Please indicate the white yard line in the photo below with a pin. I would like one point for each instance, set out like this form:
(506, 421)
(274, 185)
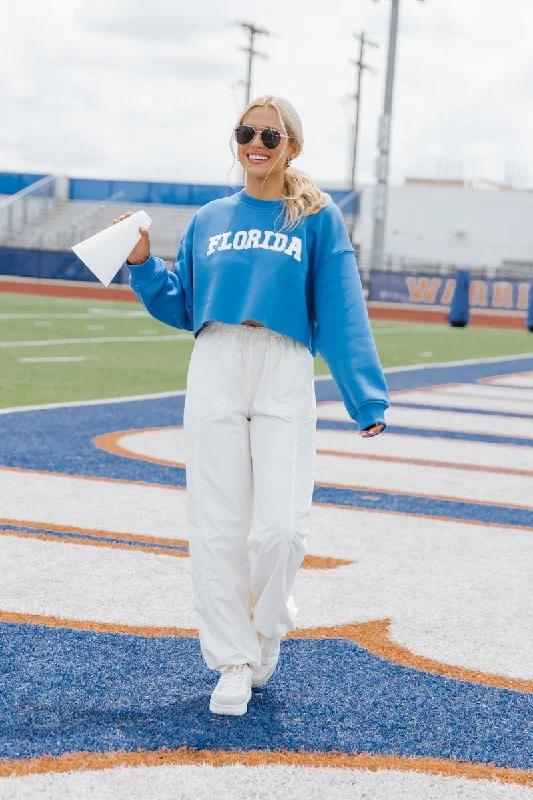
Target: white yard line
(402, 329)
(95, 314)
(98, 340)
(56, 358)
(467, 362)
(98, 402)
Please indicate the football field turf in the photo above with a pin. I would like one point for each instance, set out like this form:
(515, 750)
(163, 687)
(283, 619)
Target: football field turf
(56, 350)
(409, 673)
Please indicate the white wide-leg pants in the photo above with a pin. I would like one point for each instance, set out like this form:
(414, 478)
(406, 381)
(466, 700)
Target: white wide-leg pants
(250, 423)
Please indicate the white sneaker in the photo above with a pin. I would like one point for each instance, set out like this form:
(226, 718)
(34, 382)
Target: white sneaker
(269, 659)
(233, 691)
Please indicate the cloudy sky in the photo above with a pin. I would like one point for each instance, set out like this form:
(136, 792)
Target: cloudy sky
(150, 89)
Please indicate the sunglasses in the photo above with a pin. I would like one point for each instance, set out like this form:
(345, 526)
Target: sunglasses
(270, 137)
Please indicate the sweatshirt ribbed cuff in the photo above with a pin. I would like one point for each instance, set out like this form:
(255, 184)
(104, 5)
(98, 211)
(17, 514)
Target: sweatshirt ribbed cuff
(371, 414)
(145, 272)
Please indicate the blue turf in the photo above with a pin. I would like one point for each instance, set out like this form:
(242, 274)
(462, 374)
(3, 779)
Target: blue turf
(66, 691)
(61, 440)
(427, 506)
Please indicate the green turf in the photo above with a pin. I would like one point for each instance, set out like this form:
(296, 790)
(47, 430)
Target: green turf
(123, 368)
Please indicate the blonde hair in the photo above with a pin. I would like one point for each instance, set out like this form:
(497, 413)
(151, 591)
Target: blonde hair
(301, 196)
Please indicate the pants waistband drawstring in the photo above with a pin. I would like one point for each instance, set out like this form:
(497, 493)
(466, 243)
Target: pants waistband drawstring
(245, 331)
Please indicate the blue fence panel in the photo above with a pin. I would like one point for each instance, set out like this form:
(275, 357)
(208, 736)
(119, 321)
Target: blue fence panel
(179, 194)
(200, 194)
(13, 182)
(134, 191)
(176, 194)
(60, 265)
(351, 207)
(88, 189)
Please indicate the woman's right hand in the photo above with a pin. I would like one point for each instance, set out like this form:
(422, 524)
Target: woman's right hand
(141, 251)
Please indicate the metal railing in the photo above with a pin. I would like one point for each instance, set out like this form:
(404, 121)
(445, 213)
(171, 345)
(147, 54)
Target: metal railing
(75, 230)
(25, 207)
(417, 266)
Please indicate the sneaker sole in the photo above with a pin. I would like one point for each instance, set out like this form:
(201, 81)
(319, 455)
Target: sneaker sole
(231, 710)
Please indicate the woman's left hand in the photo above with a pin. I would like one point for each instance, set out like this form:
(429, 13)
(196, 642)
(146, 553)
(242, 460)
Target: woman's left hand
(373, 431)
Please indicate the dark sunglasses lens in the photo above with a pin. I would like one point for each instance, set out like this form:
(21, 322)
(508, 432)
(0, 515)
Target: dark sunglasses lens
(244, 134)
(271, 138)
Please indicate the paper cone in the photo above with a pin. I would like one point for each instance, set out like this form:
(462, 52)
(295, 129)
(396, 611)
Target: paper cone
(105, 252)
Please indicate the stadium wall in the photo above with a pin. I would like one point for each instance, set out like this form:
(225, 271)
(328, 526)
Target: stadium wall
(59, 265)
(427, 290)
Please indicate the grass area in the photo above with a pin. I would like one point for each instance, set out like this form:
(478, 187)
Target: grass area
(96, 369)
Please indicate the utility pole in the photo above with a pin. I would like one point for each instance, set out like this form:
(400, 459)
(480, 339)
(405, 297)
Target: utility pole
(384, 135)
(361, 66)
(253, 31)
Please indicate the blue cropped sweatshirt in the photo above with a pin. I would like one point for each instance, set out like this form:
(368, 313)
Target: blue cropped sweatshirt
(236, 261)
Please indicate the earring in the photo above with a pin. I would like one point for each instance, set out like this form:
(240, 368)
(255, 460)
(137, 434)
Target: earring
(288, 162)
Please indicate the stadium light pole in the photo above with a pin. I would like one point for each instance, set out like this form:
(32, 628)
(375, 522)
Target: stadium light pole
(361, 66)
(384, 135)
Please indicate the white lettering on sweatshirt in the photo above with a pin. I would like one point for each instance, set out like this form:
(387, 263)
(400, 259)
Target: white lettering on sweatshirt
(266, 240)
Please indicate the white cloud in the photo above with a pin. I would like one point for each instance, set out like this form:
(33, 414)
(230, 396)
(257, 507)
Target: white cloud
(156, 23)
(122, 88)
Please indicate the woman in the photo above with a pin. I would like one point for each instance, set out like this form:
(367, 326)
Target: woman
(265, 279)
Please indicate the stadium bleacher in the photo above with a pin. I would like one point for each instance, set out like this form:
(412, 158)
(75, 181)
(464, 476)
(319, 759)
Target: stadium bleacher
(69, 222)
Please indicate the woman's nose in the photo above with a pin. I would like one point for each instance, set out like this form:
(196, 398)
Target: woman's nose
(257, 141)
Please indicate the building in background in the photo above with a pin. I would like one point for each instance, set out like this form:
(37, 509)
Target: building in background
(478, 224)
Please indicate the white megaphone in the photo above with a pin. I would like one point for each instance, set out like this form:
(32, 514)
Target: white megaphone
(105, 252)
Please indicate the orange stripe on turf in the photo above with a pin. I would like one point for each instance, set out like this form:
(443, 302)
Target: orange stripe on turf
(51, 526)
(256, 758)
(480, 397)
(423, 462)
(497, 379)
(400, 392)
(96, 627)
(309, 562)
(110, 443)
(92, 543)
(374, 636)
(324, 562)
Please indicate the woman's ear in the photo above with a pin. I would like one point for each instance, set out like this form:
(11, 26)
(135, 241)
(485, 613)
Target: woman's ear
(294, 152)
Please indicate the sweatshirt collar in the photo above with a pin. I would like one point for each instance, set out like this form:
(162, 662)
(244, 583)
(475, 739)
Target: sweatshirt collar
(255, 202)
